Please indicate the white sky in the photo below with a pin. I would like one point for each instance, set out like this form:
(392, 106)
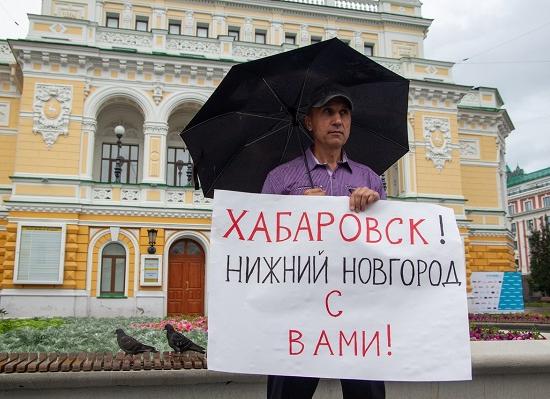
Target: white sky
(506, 40)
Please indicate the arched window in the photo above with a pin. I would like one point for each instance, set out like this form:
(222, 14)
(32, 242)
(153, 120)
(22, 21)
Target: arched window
(113, 270)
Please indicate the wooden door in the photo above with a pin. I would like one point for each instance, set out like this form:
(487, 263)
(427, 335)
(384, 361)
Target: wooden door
(186, 278)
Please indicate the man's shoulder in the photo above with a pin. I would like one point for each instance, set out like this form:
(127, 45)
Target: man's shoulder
(290, 165)
(360, 167)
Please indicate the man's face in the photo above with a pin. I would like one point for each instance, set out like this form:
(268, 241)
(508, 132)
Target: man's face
(330, 123)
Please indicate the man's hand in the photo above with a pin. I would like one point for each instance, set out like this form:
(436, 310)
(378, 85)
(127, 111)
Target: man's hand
(314, 191)
(361, 197)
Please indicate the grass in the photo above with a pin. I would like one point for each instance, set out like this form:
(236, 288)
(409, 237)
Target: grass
(84, 334)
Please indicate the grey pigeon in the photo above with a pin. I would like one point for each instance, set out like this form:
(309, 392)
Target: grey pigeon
(180, 342)
(130, 345)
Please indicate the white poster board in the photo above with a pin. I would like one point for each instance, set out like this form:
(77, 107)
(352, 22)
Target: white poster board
(302, 286)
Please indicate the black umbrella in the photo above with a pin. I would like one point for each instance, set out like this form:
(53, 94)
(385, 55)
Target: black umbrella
(253, 120)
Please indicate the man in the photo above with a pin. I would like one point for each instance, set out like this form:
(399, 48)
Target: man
(326, 171)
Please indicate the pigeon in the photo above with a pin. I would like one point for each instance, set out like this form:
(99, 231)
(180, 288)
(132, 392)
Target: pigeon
(130, 345)
(180, 342)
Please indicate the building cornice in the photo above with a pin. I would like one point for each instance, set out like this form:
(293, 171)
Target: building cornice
(108, 210)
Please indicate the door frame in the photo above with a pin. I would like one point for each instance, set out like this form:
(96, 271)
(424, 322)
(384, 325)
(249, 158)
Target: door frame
(200, 239)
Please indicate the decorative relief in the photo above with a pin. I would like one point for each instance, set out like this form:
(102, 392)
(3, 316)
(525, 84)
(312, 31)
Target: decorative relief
(4, 114)
(193, 46)
(198, 198)
(469, 149)
(89, 125)
(175, 196)
(404, 49)
(124, 39)
(304, 35)
(102, 194)
(5, 49)
(52, 107)
(252, 52)
(57, 28)
(437, 136)
(128, 194)
(70, 11)
(392, 66)
(471, 99)
(157, 93)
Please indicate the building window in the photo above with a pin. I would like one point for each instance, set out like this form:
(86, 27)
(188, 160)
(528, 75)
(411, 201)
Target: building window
(530, 224)
(234, 33)
(40, 255)
(112, 20)
(202, 30)
(315, 39)
(179, 168)
(113, 270)
(142, 23)
(260, 37)
(174, 27)
(290, 38)
(528, 206)
(548, 220)
(512, 209)
(513, 226)
(546, 202)
(368, 49)
(129, 164)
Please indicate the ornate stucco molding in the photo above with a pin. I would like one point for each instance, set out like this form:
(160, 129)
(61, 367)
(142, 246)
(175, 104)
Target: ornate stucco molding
(51, 111)
(437, 137)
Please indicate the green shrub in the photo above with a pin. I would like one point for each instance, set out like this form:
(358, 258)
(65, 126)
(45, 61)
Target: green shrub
(36, 323)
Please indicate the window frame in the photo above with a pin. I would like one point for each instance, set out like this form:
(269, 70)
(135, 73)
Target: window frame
(290, 38)
(61, 267)
(546, 201)
(261, 33)
(112, 16)
(141, 19)
(512, 209)
(174, 22)
(234, 29)
(315, 39)
(112, 164)
(169, 163)
(124, 294)
(202, 25)
(530, 201)
(368, 45)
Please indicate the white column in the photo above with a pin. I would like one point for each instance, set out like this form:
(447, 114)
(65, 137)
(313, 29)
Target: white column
(87, 144)
(126, 17)
(219, 25)
(154, 152)
(188, 23)
(99, 12)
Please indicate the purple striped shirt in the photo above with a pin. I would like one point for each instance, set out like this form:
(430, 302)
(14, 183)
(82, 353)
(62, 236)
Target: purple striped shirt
(291, 178)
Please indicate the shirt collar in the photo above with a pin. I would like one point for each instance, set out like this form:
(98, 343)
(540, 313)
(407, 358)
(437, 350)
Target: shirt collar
(313, 162)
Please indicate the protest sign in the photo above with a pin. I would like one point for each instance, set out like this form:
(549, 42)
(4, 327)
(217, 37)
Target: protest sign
(299, 285)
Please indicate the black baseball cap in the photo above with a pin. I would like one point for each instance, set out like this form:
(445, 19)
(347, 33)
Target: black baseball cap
(327, 93)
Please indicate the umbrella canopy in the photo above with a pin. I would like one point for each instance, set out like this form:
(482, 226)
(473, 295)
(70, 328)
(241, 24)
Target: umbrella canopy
(253, 120)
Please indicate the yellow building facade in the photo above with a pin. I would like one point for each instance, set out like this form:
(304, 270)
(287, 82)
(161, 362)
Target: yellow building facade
(73, 241)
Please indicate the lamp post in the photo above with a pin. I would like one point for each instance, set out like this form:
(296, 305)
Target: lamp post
(152, 233)
(119, 132)
(179, 165)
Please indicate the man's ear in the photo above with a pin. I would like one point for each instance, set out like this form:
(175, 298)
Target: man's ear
(307, 122)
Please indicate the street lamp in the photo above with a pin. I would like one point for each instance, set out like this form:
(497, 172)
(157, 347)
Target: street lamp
(119, 132)
(179, 165)
(152, 234)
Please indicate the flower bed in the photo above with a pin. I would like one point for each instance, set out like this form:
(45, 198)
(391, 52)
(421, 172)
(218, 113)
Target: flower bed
(509, 318)
(482, 333)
